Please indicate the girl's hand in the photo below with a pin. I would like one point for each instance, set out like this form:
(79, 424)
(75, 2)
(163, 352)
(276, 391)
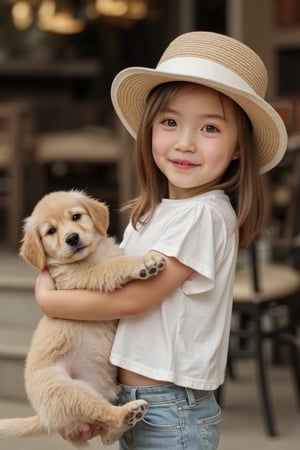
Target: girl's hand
(44, 284)
(88, 431)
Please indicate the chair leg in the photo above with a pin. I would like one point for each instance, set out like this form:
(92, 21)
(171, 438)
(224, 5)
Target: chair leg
(262, 378)
(294, 349)
(296, 369)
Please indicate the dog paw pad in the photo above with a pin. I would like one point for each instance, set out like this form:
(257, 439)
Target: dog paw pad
(161, 264)
(143, 273)
(136, 413)
(152, 266)
(153, 270)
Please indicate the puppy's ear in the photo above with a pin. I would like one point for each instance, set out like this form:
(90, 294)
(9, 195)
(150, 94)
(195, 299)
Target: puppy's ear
(98, 212)
(32, 250)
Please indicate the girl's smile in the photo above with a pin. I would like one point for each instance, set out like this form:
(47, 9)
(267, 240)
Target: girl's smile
(194, 140)
(183, 164)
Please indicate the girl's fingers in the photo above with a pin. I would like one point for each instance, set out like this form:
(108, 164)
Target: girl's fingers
(62, 432)
(87, 432)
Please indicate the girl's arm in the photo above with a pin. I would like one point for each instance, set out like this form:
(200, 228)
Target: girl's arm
(135, 298)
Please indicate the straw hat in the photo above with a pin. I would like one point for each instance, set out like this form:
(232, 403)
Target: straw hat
(216, 61)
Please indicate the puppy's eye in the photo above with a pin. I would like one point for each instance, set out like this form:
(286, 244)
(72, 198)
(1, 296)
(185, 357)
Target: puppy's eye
(51, 230)
(76, 217)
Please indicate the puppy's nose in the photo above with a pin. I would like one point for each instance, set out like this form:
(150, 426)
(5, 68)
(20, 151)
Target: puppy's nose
(72, 239)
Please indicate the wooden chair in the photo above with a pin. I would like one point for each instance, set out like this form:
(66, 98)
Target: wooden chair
(16, 145)
(261, 291)
(285, 200)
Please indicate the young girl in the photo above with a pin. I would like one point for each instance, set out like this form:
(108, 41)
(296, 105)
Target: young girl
(203, 133)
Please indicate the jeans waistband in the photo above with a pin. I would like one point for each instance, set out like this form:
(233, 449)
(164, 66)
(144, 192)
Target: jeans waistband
(163, 393)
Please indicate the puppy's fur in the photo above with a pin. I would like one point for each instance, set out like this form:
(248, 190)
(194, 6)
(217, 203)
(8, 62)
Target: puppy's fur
(68, 377)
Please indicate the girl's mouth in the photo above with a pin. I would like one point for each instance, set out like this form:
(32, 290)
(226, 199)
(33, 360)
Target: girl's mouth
(183, 164)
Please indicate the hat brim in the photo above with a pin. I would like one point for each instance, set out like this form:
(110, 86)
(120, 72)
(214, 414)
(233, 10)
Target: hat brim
(131, 87)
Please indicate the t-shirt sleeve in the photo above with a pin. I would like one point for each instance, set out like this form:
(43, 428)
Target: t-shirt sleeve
(196, 236)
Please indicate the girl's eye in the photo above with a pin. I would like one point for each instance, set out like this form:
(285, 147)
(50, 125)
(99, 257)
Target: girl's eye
(210, 129)
(52, 230)
(169, 122)
(76, 217)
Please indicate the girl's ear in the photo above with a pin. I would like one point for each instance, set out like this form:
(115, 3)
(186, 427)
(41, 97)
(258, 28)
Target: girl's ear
(32, 250)
(98, 212)
(236, 154)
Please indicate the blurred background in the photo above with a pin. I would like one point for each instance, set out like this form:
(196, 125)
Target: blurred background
(57, 62)
(58, 131)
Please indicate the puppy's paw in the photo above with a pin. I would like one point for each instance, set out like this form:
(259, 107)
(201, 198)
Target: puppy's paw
(152, 265)
(137, 411)
(132, 413)
(133, 268)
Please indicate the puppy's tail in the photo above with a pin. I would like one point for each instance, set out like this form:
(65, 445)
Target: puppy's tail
(21, 427)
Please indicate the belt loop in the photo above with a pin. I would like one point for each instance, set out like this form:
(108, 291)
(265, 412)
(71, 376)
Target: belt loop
(191, 397)
(133, 393)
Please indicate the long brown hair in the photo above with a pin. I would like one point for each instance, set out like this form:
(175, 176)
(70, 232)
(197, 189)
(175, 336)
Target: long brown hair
(241, 181)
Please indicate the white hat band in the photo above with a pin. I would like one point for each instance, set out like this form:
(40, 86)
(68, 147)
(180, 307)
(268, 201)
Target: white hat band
(204, 68)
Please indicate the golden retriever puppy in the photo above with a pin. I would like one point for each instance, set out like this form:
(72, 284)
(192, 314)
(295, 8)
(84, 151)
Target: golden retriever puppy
(68, 377)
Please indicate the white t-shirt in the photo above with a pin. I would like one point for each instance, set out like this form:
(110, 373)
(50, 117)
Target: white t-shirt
(184, 339)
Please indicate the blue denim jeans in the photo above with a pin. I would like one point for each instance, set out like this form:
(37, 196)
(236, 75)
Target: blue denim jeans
(178, 419)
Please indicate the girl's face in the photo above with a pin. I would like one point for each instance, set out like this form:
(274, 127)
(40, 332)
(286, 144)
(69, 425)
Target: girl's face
(194, 140)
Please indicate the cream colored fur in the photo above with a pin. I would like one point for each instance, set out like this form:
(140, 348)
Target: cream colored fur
(68, 377)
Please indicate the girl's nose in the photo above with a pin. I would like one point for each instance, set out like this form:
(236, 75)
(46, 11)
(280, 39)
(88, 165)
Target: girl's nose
(186, 143)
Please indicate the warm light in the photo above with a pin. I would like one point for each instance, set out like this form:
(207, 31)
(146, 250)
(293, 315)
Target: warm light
(50, 18)
(137, 9)
(127, 9)
(63, 23)
(22, 15)
(46, 9)
(59, 16)
(112, 7)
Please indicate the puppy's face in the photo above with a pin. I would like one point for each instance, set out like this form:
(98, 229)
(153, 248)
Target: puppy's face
(64, 227)
(68, 234)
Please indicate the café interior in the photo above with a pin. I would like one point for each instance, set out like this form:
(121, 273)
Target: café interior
(58, 131)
